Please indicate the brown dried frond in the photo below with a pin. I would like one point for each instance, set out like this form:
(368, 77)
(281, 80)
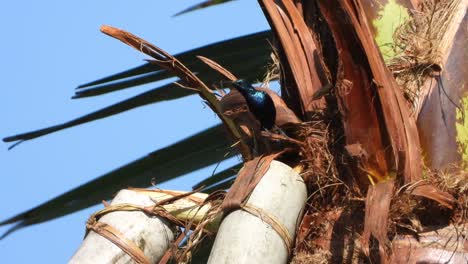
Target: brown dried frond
(190, 79)
(215, 66)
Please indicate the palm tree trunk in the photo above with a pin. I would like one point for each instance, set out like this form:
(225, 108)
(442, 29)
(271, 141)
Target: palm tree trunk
(378, 113)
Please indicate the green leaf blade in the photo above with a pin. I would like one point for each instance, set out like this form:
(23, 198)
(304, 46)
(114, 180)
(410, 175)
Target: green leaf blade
(193, 153)
(218, 177)
(202, 5)
(232, 54)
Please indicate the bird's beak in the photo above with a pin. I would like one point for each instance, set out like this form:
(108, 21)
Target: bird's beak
(227, 83)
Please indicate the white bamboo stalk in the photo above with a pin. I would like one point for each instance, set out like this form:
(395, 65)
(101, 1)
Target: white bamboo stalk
(244, 238)
(151, 234)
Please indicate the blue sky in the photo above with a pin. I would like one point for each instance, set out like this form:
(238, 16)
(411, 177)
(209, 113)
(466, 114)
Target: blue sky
(50, 47)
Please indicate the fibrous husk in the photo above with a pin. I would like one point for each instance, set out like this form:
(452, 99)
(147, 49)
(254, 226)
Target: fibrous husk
(318, 257)
(423, 44)
(431, 69)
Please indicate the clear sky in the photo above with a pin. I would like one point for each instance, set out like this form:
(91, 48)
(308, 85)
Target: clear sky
(48, 48)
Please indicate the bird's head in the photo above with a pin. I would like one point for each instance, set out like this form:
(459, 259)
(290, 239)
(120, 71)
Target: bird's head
(242, 85)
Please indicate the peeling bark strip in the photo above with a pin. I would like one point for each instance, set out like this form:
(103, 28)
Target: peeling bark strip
(360, 111)
(375, 113)
(431, 192)
(300, 51)
(215, 66)
(249, 176)
(400, 125)
(386, 130)
(378, 201)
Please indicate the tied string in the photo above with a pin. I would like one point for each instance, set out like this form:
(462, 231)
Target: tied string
(118, 238)
(272, 221)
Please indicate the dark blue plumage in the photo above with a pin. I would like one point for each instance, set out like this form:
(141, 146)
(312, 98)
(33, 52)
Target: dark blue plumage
(260, 103)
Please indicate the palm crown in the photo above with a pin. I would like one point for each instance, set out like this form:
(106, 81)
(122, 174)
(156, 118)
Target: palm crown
(365, 118)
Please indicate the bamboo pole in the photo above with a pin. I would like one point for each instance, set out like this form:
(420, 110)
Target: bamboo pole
(245, 238)
(153, 235)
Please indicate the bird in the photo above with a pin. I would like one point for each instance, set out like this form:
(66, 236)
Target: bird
(259, 103)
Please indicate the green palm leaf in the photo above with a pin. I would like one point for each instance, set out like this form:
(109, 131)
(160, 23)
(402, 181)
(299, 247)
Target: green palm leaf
(223, 185)
(190, 154)
(218, 177)
(232, 54)
(201, 5)
(163, 93)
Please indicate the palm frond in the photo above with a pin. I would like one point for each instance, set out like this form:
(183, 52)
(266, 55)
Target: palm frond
(218, 177)
(190, 154)
(201, 5)
(232, 54)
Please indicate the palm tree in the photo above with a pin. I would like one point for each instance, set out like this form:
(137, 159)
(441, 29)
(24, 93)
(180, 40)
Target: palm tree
(334, 59)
